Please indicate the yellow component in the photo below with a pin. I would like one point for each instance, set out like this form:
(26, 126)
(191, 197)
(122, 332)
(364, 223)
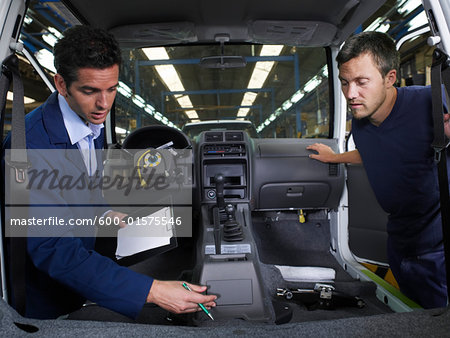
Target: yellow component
(390, 279)
(148, 160)
(301, 216)
(384, 273)
(371, 267)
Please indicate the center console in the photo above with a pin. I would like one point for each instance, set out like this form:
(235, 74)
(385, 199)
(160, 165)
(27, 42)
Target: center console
(227, 255)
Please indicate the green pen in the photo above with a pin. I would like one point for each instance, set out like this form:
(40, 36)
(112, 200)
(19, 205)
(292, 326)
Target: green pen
(199, 304)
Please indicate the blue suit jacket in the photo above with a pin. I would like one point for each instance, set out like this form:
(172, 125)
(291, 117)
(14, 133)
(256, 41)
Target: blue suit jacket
(62, 272)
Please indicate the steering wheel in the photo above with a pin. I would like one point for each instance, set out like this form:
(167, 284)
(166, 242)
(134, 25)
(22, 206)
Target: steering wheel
(156, 150)
(155, 137)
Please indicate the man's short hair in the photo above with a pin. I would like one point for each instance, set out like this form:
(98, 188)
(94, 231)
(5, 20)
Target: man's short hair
(380, 45)
(85, 47)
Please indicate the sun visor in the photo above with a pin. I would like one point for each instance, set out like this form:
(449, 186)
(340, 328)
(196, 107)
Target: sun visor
(155, 34)
(295, 33)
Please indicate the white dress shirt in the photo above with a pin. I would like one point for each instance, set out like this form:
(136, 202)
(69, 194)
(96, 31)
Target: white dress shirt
(81, 134)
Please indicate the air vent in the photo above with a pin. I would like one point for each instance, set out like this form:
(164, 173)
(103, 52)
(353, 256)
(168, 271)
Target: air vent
(213, 137)
(234, 136)
(333, 169)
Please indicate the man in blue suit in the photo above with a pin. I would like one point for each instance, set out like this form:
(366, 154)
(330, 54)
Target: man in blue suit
(63, 270)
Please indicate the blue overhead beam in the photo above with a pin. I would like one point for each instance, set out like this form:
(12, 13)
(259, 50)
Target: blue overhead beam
(197, 61)
(33, 42)
(215, 91)
(219, 92)
(249, 59)
(398, 31)
(43, 10)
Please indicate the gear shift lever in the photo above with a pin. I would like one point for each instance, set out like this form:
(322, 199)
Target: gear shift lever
(232, 231)
(220, 180)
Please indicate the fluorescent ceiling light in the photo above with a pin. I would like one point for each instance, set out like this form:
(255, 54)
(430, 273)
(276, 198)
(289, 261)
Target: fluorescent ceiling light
(26, 99)
(149, 109)
(120, 130)
(408, 6)
(243, 112)
(138, 101)
(45, 58)
(27, 20)
(271, 50)
(312, 84)
(259, 76)
(286, 105)
(418, 21)
(52, 36)
(192, 114)
(55, 32)
(383, 28)
(49, 38)
(169, 76)
(378, 25)
(260, 73)
(248, 99)
(124, 90)
(297, 96)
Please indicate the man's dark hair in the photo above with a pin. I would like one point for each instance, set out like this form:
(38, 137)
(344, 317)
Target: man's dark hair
(85, 47)
(379, 45)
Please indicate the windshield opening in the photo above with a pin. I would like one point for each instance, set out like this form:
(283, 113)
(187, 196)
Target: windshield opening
(282, 90)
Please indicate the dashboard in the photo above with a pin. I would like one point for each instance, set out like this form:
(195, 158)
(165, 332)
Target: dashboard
(270, 174)
(267, 174)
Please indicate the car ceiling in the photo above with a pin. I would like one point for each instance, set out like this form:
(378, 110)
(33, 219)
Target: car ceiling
(301, 23)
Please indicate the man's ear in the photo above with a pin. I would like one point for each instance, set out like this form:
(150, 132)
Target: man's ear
(60, 85)
(391, 77)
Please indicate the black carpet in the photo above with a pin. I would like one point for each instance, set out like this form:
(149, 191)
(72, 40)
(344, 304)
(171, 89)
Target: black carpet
(285, 241)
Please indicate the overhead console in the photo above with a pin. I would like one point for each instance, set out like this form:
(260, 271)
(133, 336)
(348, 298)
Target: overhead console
(284, 177)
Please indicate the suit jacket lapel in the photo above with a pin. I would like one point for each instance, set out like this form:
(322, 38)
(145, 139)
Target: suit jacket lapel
(58, 136)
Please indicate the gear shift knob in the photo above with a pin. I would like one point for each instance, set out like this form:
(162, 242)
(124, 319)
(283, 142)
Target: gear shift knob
(220, 180)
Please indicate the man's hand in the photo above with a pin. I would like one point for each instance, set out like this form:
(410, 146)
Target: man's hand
(447, 125)
(172, 296)
(324, 153)
(327, 155)
(117, 214)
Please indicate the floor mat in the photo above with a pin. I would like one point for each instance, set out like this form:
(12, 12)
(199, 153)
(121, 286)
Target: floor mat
(288, 242)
